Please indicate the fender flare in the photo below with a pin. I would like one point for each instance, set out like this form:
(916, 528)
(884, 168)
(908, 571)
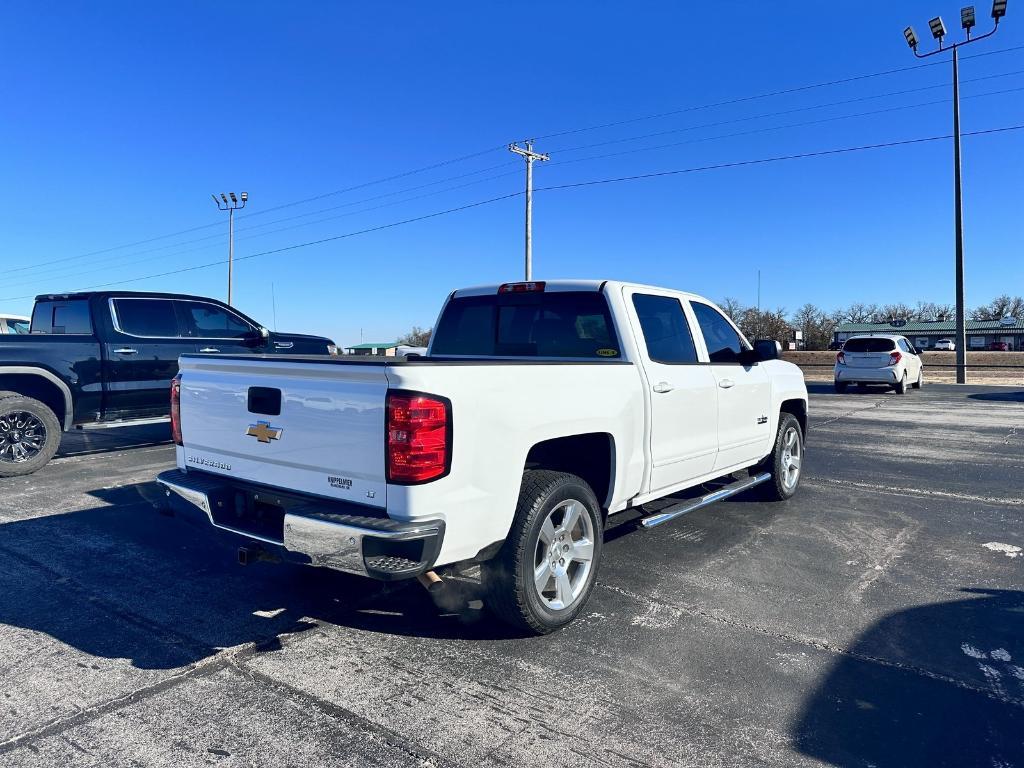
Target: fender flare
(30, 370)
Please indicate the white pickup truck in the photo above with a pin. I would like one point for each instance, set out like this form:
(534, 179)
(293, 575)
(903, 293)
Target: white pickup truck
(539, 409)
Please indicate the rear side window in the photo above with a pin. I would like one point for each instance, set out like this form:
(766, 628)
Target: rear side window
(721, 339)
(563, 324)
(62, 317)
(869, 345)
(666, 332)
(147, 317)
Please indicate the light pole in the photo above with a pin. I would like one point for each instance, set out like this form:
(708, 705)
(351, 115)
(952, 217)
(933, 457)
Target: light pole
(529, 155)
(938, 30)
(230, 206)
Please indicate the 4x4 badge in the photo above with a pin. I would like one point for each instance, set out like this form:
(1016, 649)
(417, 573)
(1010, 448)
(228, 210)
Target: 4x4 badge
(263, 432)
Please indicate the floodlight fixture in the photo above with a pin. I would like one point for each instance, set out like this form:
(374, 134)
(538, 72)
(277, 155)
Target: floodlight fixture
(998, 9)
(967, 18)
(938, 28)
(245, 196)
(911, 37)
(215, 199)
(234, 199)
(224, 198)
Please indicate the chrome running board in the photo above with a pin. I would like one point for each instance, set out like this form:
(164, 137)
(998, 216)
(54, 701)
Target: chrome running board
(677, 510)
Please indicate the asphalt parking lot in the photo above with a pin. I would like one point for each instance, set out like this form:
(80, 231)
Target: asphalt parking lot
(875, 620)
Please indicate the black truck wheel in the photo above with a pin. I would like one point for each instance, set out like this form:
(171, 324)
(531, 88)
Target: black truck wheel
(29, 434)
(543, 575)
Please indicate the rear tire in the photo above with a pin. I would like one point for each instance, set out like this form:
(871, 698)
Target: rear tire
(901, 385)
(543, 575)
(29, 435)
(920, 380)
(840, 386)
(785, 462)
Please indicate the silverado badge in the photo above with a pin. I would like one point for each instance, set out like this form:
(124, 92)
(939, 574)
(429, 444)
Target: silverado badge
(263, 432)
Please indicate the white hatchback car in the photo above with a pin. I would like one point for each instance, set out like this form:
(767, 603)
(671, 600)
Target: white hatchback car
(945, 345)
(890, 360)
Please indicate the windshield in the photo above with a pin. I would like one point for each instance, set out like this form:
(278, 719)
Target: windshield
(869, 345)
(17, 326)
(564, 324)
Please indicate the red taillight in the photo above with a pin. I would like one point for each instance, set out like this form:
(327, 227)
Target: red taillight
(176, 411)
(894, 358)
(419, 437)
(841, 359)
(533, 287)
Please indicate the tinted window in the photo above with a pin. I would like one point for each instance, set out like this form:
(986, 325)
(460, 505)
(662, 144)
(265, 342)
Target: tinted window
(17, 326)
(147, 317)
(869, 345)
(903, 345)
(666, 332)
(569, 324)
(61, 317)
(211, 321)
(723, 343)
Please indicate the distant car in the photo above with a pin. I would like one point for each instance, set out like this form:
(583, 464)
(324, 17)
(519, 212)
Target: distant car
(945, 345)
(999, 346)
(14, 324)
(890, 360)
(835, 346)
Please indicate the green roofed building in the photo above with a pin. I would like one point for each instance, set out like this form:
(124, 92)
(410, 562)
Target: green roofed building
(923, 335)
(385, 348)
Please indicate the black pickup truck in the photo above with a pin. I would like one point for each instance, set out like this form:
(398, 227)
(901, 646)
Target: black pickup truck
(104, 357)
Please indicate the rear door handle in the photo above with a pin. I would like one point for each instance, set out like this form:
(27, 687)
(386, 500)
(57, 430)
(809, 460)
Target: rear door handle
(726, 383)
(662, 387)
(126, 351)
(209, 349)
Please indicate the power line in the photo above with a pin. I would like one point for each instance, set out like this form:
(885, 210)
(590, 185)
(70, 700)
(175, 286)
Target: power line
(787, 126)
(780, 113)
(473, 155)
(575, 185)
(771, 94)
(38, 278)
(778, 158)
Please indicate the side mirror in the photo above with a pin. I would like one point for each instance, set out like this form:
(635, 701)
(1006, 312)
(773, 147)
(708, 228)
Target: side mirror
(767, 349)
(257, 338)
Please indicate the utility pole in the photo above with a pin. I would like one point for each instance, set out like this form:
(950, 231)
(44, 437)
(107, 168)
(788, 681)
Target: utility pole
(938, 30)
(224, 205)
(529, 155)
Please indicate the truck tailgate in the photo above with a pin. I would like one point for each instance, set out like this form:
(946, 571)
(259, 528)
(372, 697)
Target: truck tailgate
(315, 427)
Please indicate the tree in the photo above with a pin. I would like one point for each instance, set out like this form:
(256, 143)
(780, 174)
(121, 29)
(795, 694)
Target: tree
(417, 337)
(1000, 307)
(732, 308)
(817, 326)
(765, 324)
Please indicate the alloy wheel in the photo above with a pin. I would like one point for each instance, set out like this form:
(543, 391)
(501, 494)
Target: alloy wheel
(564, 555)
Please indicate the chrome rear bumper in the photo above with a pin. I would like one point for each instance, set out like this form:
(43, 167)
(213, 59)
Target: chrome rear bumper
(318, 531)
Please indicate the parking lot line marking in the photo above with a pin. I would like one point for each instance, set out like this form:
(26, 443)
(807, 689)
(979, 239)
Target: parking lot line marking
(901, 491)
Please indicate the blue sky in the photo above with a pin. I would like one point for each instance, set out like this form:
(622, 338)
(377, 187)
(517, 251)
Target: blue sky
(119, 119)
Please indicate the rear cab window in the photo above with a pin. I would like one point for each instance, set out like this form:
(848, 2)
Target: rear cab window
(556, 324)
(70, 316)
(869, 345)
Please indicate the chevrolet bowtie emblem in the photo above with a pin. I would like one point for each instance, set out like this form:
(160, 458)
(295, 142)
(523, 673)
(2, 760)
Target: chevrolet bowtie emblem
(263, 432)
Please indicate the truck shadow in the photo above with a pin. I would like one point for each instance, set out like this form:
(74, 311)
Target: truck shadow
(164, 591)
(936, 685)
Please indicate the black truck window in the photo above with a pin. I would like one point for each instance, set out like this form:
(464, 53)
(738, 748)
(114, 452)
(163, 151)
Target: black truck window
(62, 317)
(666, 331)
(147, 317)
(210, 321)
(534, 324)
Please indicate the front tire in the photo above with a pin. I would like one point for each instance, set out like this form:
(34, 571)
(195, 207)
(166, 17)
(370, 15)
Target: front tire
(29, 435)
(786, 460)
(543, 575)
